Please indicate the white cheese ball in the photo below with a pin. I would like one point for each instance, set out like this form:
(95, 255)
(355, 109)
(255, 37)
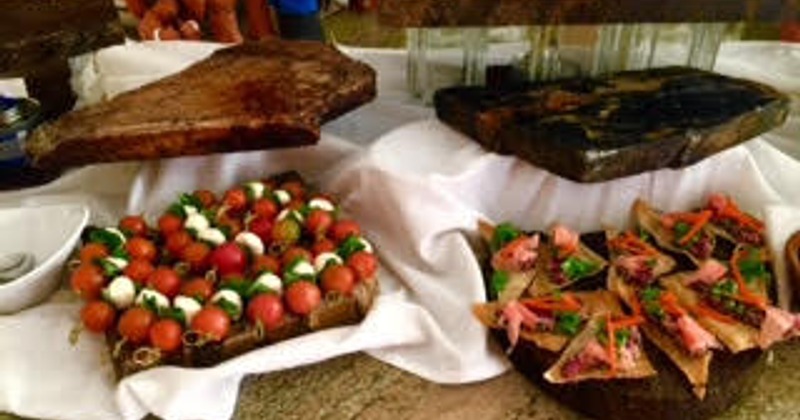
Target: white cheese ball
(197, 222)
(321, 204)
(293, 213)
(190, 210)
(367, 246)
(117, 233)
(231, 297)
(250, 241)
(271, 282)
(189, 306)
(121, 292)
(303, 269)
(120, 263)
(160, 300)
(211, 235)
(322, 260)
(282, 196)
(256, 189)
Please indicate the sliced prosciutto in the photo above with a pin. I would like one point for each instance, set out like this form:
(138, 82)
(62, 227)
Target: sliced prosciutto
(709, 273)
(696, 339)
(778, 325)
(518, 255)
(515, 315)
(565, 240)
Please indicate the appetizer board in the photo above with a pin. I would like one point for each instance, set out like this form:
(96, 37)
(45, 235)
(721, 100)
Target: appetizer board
(216, 277)
(668, 319)
(590, 130)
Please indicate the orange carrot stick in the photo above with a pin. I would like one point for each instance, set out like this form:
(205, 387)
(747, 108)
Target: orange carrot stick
(670, 304)
(701, 310)
(701, 220)
(745, 295)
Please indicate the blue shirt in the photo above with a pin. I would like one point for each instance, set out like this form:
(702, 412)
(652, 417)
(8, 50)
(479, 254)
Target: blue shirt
(296, 7)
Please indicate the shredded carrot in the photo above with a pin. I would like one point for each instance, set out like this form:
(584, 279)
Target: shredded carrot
(700, 221)
(670, 304)
(628, 322)
(612, 347)
(745, 295)
(703, 310)
(636, 306)
(732, 212)
(632, 243)
(566, 302)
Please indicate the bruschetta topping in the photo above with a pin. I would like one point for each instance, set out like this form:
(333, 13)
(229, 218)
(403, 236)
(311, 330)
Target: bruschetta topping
(565, 240)
(518, 255)
(709, 272)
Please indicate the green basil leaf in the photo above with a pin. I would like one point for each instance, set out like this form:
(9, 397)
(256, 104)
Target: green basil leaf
(187, 199)
(177, 210)
(568, 323)
(681, 229)
(229, 307)
(173, 313)
(499, 282)
(350, 246)
(622, 337)
(111, 241)
(109, 268)
(240, 286)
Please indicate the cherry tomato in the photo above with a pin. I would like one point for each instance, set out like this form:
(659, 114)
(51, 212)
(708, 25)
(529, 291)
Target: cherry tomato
(169, 223)
(212, 322)
(293, 254)
(263, 263)
(262, 227)
(92, 252)
(302, 297)
(323, 245)
(98, 316)
(266, 308)
(139, 270)
(296, 204)
(133, 225)
(229, 258)
(165, 335)
(177, 241)
(343, 229)
(364, 264)
(166, 281)
(87, 281)
(206, 197)
(295, 188)
(286, 232)
(197, 255)
(198, 288)
(235, 199)
(264, 207)
(318, 222)
(141, 248)
(339, 278)
(233, 224)
(134, 325)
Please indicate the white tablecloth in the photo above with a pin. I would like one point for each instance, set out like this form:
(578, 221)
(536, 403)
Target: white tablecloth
(416, 186)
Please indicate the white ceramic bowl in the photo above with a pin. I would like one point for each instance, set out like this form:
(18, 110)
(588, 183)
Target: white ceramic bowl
(50, 233)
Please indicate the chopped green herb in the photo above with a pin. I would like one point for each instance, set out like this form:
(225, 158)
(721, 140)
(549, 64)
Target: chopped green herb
(173, 313)
(651, 294)
(503, 234)
(109, 269)
(644, 235)
(623, 337)
(499, 282)
(724, 288)
(574, 268)
(651, 298)
(752, 268)
(149, 303)
(568, 323)
(681, 229)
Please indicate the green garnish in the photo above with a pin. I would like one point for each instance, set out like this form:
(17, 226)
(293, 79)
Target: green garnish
(503, 234)
(109, 269)
(111, 241)
(176, 209)
(752, 268)
(190, 200)
(574, 268)
(238, 285)
(568, 323)
(229, 307)
(499, 282)
(651, 297)
(291, 276)
(622, 337)
(350, 246)
(173, 313)
(681, 229)
(725, 288)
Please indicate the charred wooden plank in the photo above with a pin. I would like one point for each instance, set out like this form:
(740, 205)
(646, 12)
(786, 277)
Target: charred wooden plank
(436, 13)
(592, 130)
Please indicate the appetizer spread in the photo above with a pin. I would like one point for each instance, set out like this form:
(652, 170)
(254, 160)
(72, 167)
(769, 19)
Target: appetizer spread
(215, 277)
(692, 284)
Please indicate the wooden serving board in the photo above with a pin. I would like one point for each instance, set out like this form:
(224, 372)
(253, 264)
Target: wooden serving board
(591, 130)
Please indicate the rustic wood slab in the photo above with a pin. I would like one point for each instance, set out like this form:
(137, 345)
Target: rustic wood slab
(435, 13)
(590, 130)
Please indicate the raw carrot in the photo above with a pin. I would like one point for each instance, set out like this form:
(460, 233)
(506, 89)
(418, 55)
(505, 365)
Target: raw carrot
(701, 310)
(670, 304)
(701, 220)
(628, 322)
(745, 295)
(567, 302)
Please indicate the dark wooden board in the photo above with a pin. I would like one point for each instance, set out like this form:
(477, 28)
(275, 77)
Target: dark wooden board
(435, 13)
(591, 130)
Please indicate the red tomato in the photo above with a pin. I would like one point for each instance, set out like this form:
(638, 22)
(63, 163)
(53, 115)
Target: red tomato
(166, 281)
(286, 232)
(262, 227)
(141, 248)
(364, 264)
(133, 225)
(92, 252)
(212, 322)
(139, 270)
(295, 188)
(264, 207)
(296, 204)
(206, 197)
(323, 245)
(318, 222)
(266, 308)
(235, 199)
(169, 223)
(197, 255)
(177, 241)
(87, 281)
(233, 224)
(229, 258)
(198, 288)
(165, 335)
(339, 278)
(134, 325)
(302, 297)
(343, 229)
(293, 254)
(263, 263)
(98, 316)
